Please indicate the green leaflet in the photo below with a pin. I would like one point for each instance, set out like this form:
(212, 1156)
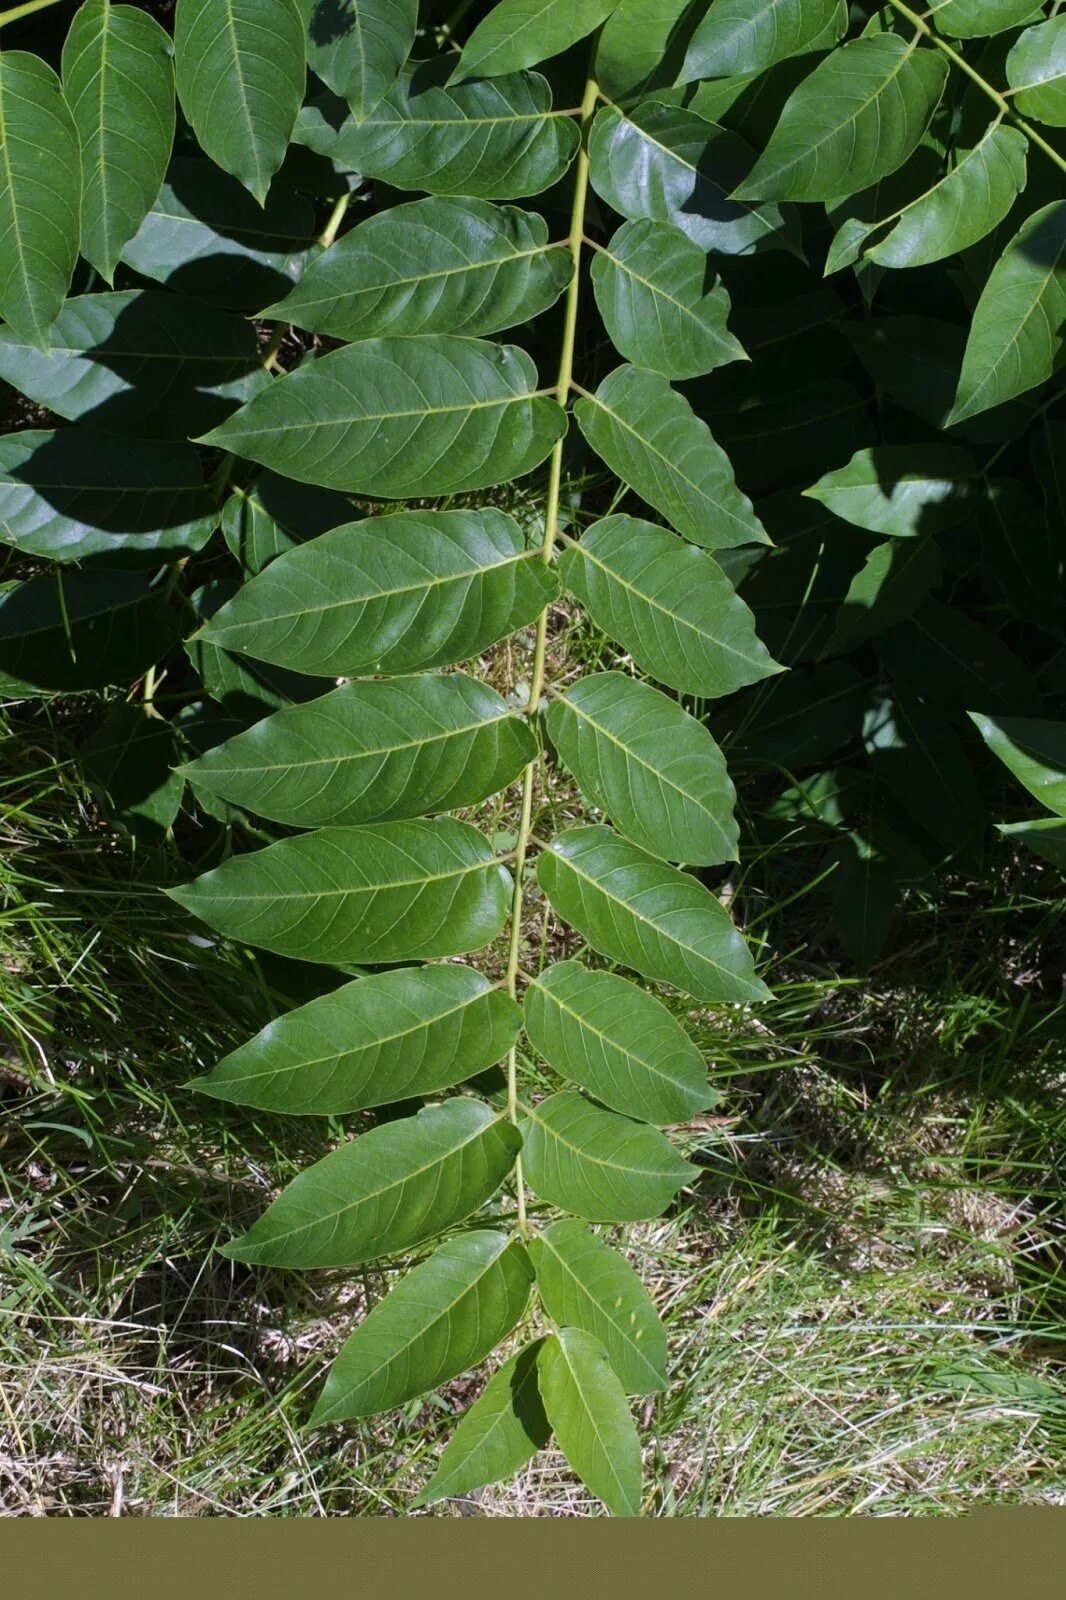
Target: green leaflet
(1036, 71)
(129, 760)
(1046, 835)
(434, 266)
(245, 690)
(39, 202)
(649, 435)
(392, 594)
(519, 33)
(444, 1316)
(902, 490)
(372, 752)
(640, 41)
(966, 204)
(668, 164)
(669, 605)
(398, 418)
(893, 582)
(274, 515)
(586, 1406)
(599, 1165)
(1033, 750)
(653, 769)
(855, 119)
(396, 891)
(1014, 340)
(205, 236)
(796, 719)
(649, 286)
(973, 19)
(585, 1284)
(385, 1191)
(240, 77)
(495, 139)
(636, 910)
(503, 1429)
(139, 362)
(740, 36)
(617, 1041)
(383, 1038)
(118, 79)
(357, 48)
(72, 493)
(68, 630)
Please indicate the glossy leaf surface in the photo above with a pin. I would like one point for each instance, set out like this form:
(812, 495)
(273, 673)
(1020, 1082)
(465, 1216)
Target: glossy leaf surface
(617, 1041)
(646, 915)
(398, 891)
(400, 418)
(653, 769)
(392, 594)
(445, 1315)
(597, 1164)
(383, 1038)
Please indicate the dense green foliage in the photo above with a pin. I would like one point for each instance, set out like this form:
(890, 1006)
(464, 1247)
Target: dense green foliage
(860, 480)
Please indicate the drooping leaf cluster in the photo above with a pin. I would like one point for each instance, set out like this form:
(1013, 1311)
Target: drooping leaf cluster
(369, 347)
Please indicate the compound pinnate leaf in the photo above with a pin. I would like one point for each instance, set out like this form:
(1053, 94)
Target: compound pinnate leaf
(855, 119)
(68, 630)
(670, 605)
(240, 74)
(649, 435)
(740, 36)
(204, 235)
(385, 1191)
(503, 1429)
(118, 78)
(1036, 71)
(586, 1406)
(383, 1038)
(392, 594)
(617, 1041)
(670, 165)
(1016, 337)
(901, 490)
(139, 362)
(40, 199)
(638, 911)
(372, 752)
(599, 1165)
(72, 493)
(1034, 750)
(585, 1284)
(437, 265)
(496, 139)
(653, 769)
(649, 285)
(401, 418)
(519, 33)
(975, 19)
(395, 891)
(967, 203)
(444, 1316)
(357, 47)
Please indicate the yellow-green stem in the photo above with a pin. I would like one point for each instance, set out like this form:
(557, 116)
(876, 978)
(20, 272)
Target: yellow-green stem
(24, 10)
(540, 647)
(999, 100)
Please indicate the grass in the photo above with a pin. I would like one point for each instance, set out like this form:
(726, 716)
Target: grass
(863, 1291)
